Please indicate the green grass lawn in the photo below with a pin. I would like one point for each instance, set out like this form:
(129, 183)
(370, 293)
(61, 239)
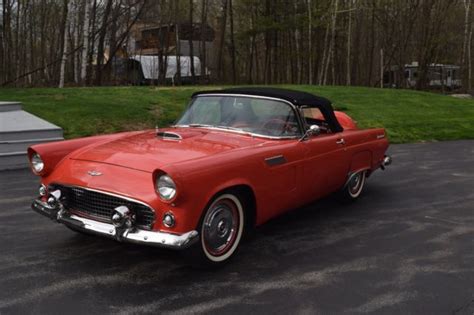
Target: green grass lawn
(408, 116)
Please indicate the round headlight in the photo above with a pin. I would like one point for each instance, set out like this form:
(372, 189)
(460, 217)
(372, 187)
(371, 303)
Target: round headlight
(166, 187)
(37, 163)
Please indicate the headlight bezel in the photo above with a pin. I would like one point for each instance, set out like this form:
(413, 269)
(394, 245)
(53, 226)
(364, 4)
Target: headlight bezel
(35, 161)
(165, 187)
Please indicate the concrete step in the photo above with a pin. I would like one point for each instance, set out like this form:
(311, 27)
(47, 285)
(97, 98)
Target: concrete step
(20, 125)
(22, 145)
(9, 106)
(13, 160)
(30, 134)
(18, 131)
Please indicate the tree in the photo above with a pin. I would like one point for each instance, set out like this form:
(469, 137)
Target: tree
(222, 38)
(191, 38)
(467, 42)
(66, 17)
(101, 43)
(85, 41)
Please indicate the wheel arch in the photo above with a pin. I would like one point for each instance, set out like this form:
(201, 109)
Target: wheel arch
(361, 161)
(242, 190)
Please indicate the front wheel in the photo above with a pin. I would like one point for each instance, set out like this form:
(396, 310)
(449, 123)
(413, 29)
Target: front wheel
(220, 230)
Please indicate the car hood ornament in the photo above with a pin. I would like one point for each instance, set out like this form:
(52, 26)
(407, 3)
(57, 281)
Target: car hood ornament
(94, 173)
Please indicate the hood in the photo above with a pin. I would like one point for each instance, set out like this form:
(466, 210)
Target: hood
(146, 151)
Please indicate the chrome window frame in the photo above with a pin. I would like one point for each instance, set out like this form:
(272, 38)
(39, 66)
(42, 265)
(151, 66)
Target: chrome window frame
(296, 112)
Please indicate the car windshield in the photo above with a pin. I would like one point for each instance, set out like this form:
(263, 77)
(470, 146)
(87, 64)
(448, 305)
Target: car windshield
(246, 114)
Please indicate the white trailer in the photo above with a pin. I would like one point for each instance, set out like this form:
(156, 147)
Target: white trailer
(150, 67)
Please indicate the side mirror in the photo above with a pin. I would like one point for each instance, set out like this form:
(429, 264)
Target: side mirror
(313, 130)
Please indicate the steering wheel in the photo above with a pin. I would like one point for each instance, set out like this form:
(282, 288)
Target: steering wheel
(277, 124)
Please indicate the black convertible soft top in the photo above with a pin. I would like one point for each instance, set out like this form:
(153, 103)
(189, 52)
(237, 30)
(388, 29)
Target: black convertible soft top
(297, 98)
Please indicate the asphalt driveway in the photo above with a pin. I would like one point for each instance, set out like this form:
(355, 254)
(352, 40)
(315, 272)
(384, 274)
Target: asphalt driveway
(406, 247)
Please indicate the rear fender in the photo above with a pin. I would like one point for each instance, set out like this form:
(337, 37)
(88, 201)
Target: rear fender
(345, 121)
(361, 161)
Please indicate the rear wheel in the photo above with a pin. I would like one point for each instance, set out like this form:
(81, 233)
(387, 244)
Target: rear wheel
(221, 231)
(354, 186)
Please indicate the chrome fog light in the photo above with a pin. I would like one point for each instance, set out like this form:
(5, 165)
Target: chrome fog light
(51, 202)
(42, 190)
(54, 198)
(122, 217)
(169, 220)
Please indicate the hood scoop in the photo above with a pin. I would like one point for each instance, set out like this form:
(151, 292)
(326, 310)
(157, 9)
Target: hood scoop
(168, 135)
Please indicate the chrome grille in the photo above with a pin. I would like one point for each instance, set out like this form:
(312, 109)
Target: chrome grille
(99, 206)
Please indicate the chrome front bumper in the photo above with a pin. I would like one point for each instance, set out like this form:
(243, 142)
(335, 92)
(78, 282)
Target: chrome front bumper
(131, 235)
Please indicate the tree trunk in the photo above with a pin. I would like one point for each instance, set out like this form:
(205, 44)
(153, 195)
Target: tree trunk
(465, 46)
(469, 60)
(85, 41)
(92, 34)
(332, 41)
(219, 67)
(372, 46)
(191, 44)
(297, 38)
(324, 59)
(178, 45)
(381, 67)
(101, 43)
(310, 45)
(65, 43)
(349, 37)
(232, 42)
(203, 50)
(77, 37)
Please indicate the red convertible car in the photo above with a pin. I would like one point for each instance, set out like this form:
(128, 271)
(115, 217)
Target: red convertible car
(236, 158)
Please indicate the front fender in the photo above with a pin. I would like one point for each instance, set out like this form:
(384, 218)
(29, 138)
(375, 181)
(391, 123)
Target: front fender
(53, 152)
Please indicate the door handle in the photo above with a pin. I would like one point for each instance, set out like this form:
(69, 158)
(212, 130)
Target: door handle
(341, 141)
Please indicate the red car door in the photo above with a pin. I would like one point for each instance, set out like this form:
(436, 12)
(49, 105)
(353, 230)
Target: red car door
(326, 165)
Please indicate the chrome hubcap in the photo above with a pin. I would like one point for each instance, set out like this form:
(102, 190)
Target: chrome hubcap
(355, 183)
(220, 227)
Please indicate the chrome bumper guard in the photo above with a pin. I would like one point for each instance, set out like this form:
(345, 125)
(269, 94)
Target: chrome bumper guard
(387, 160)
(130, 235)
